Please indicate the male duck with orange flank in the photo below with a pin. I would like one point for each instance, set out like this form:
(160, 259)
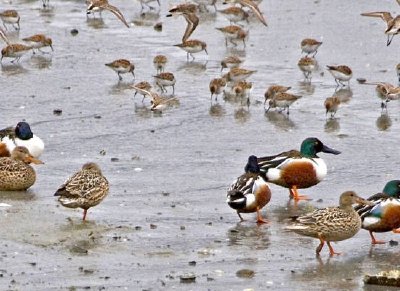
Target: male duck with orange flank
(249, 192)
(21, 135)
(384, 214)
(297, 169)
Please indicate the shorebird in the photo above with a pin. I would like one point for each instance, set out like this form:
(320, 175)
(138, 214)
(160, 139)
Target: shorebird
(250, 4)
(190, 17)
(100, 5)
(310, 45)
(341, 74)
(392, 24)
(85, 189)
(331, 105)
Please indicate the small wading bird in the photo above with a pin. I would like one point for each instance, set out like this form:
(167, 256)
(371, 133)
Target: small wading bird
(392, 24)
(190, 17)
(341, 74)
(250, 4)
(192, 46)
(274, 89)
(38, 41)
(100, 5)
(307, 66)
(331, 105)
(85, 189)
(20, 135)
(297, 169)
(310, 45)
(217, 86)
(331, 223)
(10, 17)
(15, 172)
(282, 100)
(384, 213)
(165, 79)
(249, 192)
(122, 66)
(15, 51)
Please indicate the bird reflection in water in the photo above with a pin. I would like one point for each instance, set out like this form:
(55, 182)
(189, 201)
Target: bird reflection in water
(344, 95)
(254, 236)
(281, 121)
(383, 122)
(216, 110)
(332, 125)
(242, 114)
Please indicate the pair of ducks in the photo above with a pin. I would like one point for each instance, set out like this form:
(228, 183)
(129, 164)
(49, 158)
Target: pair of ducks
(302, 169)
(19, 147)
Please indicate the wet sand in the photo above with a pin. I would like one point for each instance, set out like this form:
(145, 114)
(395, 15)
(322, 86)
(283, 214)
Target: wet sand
(166, 216)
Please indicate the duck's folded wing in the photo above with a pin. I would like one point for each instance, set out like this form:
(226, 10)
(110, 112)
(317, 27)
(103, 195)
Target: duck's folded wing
(268, 162)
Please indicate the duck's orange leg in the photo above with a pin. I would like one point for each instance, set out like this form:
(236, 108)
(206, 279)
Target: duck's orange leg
(397, 230)
(331, 251)
(296, 196)
(375, 241)
(259, 217)
(320, 246)
(241, 218)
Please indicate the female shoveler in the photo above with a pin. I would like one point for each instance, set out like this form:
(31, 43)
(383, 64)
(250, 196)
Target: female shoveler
(21, 135)
(297, 170)
(331, 223)
(249, 192)
(15, 172)
(384, 214)
(85, 189)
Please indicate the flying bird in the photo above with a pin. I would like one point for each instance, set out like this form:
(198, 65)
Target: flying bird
(100, 5)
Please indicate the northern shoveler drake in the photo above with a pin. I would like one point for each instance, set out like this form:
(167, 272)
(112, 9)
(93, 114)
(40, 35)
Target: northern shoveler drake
(21, 135)
(384, 214)
(249, 192)
(297, 170)
(15, 172)
(85, 189)
(331, 223)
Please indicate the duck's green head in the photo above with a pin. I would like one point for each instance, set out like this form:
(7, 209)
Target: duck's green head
(311, 146)
(392, 188)
(23, 131)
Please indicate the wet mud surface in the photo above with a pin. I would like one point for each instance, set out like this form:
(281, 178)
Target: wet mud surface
(165, 224)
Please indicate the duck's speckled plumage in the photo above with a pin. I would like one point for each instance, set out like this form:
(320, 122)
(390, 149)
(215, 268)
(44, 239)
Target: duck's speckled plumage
(15, 171)
(331, 223)
(85, 189)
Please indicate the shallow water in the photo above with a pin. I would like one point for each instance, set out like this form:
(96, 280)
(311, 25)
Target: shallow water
(166, 214)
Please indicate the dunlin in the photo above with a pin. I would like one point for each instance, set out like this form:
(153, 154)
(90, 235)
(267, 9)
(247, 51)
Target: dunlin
(122, 66)
(307, 66)
(165, 79)
(249, 4)
(331, 105)
(283, 100)
(392, 24)
(38, 41)
(10, 17)
(15, 51)
(159, 63)
(217, 86)
(310, 45)
(230, 62)
(233, 33)
(193, 46)
(235, 14)
(341, 74)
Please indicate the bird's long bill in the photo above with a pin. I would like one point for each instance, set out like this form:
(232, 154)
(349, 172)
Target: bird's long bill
(360, 200)
(169, 15)
(51, 48)
(328, 150)
(31, 159)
